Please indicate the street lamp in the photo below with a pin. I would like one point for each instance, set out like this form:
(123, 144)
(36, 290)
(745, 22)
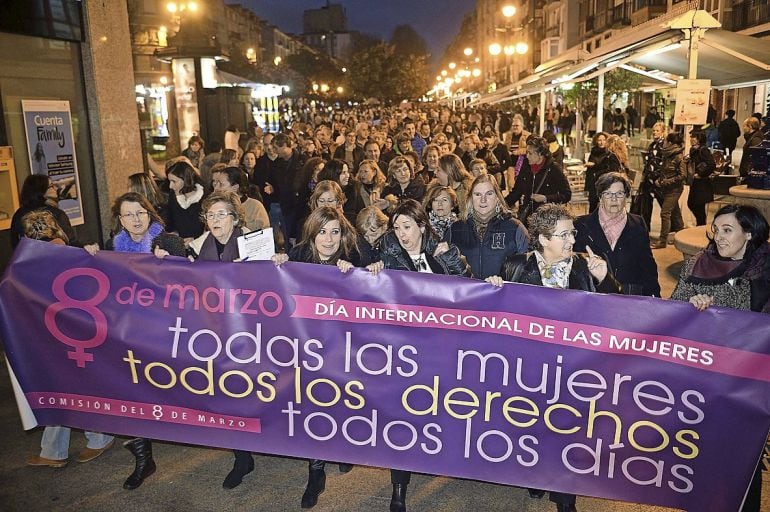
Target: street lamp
(324, 88)
(476, 72)
(315, 87)
(452, 65)
(509, 11)
(340, 90)
(443, 72)
(468, 52)
(522, 48)
(509, 49)
(495, 49)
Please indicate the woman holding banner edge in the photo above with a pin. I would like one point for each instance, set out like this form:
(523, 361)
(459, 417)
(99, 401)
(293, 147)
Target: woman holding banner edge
(733, 272)
(138, 228)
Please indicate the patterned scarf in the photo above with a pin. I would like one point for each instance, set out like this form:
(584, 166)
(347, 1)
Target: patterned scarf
(481, 223)
(124, 243)
(554, 275)
(441, 224)
(612, 226)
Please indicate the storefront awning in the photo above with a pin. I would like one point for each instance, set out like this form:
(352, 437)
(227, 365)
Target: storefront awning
(660, 53)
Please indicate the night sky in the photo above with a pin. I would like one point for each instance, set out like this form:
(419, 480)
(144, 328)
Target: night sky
(437, 21)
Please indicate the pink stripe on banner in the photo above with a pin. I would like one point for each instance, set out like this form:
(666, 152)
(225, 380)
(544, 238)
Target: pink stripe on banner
(694, 354)
(142, 411)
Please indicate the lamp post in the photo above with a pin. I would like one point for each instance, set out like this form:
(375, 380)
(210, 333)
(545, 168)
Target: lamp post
(509, 48)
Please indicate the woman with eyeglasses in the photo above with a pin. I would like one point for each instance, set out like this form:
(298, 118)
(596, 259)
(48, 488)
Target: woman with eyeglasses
(40, 193)
(553, 263)
(137, 228)
(410, 244)
(225, 219)
(620, 238)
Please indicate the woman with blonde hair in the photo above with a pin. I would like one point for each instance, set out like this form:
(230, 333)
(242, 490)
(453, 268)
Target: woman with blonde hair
(370, 181)
(327, 193)
(617, 147)
(487, 232)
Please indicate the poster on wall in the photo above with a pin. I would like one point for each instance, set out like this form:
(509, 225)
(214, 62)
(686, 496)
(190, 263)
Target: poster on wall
(186, 98)
(51, 148)
(692, 101)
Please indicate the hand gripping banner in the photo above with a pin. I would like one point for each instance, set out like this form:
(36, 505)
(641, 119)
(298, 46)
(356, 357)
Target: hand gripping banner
(628, 398)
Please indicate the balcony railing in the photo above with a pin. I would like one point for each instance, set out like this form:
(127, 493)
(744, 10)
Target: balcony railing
(750, 13)
(641, 4)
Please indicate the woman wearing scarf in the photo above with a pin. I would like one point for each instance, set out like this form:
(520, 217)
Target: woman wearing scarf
(487, 232)
(184, 202)
(411, 245)
(441, 204)
(552, 263)
(732, 272)
(540, 181)
(137, 228)
(620, 238)
(225, 219)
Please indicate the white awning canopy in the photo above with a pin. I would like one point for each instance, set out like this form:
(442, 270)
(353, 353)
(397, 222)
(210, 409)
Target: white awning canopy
(660, 53)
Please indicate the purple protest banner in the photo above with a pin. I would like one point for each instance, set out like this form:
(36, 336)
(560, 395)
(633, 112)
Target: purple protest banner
(620, 397)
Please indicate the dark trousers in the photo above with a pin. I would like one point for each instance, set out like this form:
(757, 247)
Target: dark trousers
(699, 211)
(562, 498)
(670, 214)
(398, 476)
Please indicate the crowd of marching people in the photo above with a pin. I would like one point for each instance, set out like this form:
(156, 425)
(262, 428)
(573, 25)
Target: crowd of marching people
(434, 191)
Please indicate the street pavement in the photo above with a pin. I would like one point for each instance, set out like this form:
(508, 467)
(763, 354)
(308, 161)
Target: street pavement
(189, 478)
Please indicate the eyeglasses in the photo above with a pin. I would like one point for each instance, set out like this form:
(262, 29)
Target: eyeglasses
(613, 195)
(221, 215)
(135, 215)
(566, 235)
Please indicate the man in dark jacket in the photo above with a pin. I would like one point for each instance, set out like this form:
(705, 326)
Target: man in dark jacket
(729, 131)
(753, 138)
(279, 184)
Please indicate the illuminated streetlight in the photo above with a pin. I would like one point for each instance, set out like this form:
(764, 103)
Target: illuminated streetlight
(315, 87)
(344, 70)
(340, 90)
(509, 49)
(509, 10)
(522, 48)
(172, 7)
(163, 80)
(438, 78)
(495, 49)
(452, 65)
(277, 60)
(443, 72)
(192, 6)
(468, 52)
(324, 88)
(477, 72)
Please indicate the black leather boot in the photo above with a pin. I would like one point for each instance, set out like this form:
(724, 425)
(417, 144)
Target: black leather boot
(398, 500)
(243, 465)
(536, 493)
(316, 483)
(145, 466)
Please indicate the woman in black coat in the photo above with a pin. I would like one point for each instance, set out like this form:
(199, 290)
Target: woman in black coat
(619, 237)
(540, 181)
(702, 166)
(327, 239)
(600, 162)
(412, 245)
(553, 263)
